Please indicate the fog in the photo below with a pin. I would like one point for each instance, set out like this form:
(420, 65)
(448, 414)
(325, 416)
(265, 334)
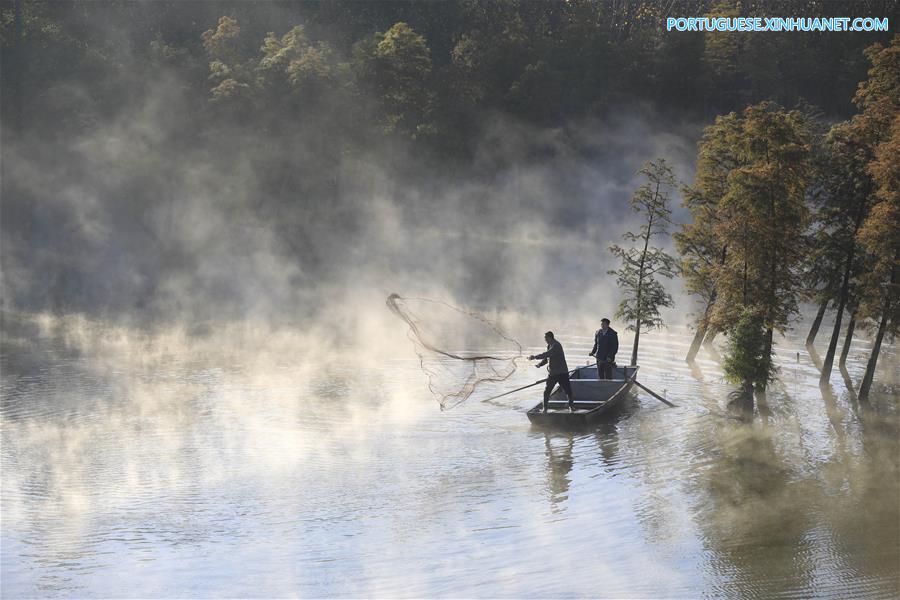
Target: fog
(134, 223)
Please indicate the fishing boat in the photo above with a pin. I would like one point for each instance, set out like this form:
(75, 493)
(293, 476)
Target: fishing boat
(593, 398)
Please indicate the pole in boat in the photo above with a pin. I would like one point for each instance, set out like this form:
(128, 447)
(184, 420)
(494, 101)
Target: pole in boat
(525, 387)
(652, 393)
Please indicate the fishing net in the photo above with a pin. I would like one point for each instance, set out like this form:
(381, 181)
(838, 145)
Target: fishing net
(458, 350)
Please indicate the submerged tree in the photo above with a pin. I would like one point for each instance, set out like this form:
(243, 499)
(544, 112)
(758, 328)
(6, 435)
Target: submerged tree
(846, 191)
(697, 244)
(817, 320)
(853, 308)
(762, 218)
(879, 235)
(821, 275)
(701, 249)
(643, 264)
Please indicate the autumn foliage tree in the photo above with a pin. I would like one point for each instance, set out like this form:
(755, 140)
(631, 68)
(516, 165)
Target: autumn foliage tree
(845, 195)
(761, 218)
(879, 235)
(702, 250)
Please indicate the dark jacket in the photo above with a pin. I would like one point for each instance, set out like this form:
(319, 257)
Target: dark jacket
(556, 357)
(606, 345)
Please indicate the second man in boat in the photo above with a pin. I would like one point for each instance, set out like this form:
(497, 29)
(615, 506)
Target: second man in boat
(606, 344)
(559, 370)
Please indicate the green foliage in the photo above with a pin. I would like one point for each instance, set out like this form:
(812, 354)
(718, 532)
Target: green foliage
(166, 53)
(643, 309)
(397, 65)
(405, 54)
(221, 43)
(438, 68)
(294, 64)
(231, 75)
(748, 358)
(643, 264)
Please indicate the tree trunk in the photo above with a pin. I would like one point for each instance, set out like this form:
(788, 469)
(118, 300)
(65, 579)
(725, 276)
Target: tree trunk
(703, 325)
(637, 336)
(842, 302)
(845, 292)
(848, 339)
(747, 399)
(767, 354)
(825, 376)
(695, 343)
(637, 323)
(710, 337)
(640, 288)
(873, 359)
(814, 330)
(701, 331)
(876, 349)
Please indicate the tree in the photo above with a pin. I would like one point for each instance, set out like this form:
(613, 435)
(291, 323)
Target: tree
(880, 237)
(641, 266)
(397, 64)
(761, 218)
(229, 71)
(293, 65)
(817, 321)
(853, 307)
(879, 99)
(42, 59)
(491, 53)
(823, 265)
(846, 190)
(698, 244)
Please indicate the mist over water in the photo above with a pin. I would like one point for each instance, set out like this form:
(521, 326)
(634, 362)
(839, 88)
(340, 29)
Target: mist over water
(133, 223)
(251, 462)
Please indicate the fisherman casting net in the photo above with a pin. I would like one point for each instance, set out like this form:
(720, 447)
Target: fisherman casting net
(439, 333)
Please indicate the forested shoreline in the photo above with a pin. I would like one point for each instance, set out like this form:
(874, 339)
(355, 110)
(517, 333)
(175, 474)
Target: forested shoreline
(424, 71)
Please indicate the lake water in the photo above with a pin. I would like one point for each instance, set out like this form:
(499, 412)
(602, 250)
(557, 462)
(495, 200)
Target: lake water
(163, 467)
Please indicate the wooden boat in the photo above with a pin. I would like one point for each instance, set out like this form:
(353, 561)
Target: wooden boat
(593, 398)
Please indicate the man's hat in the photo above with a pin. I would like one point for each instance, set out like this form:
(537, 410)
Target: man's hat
(604, 320)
